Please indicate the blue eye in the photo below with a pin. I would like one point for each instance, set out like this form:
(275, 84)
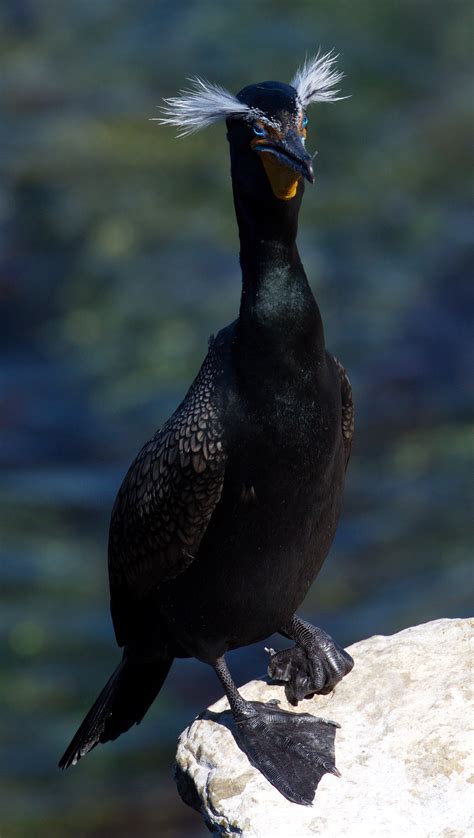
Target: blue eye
(305, 121)
(259, 130)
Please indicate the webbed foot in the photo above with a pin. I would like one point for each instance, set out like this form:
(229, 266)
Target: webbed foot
(292, 750)
(315, 665)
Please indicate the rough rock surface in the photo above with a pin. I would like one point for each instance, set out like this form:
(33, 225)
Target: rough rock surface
(404, 749)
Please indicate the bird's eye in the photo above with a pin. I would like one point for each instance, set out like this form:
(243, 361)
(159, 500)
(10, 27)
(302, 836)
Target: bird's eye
(305, 121)
(259, 130)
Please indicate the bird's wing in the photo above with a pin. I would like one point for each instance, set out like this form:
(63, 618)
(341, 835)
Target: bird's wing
(347, 409)
(168, 496)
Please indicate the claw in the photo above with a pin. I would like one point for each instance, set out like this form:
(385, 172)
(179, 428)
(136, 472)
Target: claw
(331, 769)
(329, 722)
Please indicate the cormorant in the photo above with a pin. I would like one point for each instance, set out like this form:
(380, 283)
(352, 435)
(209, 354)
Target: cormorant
(226, 515)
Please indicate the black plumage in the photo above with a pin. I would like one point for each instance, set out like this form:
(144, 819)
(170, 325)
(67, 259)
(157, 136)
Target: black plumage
(227, 514)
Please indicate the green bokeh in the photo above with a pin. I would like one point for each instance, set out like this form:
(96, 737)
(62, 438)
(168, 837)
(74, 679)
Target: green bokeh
(119, 259)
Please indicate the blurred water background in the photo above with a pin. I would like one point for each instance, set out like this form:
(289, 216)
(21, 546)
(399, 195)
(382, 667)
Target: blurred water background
(119, 259)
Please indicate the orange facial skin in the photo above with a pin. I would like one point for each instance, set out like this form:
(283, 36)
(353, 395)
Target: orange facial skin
(283, 180)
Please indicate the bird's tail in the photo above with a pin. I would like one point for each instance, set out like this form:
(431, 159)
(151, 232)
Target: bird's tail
(122, 703)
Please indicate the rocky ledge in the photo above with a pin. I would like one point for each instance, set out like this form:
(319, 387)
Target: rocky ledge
(404, 748)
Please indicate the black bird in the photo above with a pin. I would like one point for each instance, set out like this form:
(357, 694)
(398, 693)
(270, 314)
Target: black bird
(227, 514)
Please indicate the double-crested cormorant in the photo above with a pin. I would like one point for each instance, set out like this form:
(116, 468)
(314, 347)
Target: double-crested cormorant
(227, 514)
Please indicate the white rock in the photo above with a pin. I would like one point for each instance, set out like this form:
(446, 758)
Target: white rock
(404, 749)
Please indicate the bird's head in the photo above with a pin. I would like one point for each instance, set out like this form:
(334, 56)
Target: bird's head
(275, 137)
(266, 125)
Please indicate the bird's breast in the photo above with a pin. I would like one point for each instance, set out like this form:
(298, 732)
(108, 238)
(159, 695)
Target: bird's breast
(271, 529)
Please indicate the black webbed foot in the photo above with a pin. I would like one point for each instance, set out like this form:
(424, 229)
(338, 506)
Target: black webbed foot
(292, 750)
(315, 665)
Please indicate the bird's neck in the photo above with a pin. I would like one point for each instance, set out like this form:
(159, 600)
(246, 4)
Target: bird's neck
(277, 303)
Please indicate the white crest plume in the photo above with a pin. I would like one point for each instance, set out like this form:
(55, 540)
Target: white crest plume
(202, 105)
(205, 103)
(315, 80)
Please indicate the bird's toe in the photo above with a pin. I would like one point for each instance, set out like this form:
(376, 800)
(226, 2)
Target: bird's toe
(309, 671)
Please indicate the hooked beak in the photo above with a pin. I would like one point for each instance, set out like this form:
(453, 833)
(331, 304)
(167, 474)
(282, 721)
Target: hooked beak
(290, 152)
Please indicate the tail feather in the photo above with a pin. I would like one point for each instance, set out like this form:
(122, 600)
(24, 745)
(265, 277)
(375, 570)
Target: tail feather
(123, 702)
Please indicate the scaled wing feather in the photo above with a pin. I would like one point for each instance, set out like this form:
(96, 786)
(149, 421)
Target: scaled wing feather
(347, 409)
(167, 498)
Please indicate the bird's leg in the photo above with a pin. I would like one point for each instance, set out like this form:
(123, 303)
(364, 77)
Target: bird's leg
(314, 665)
(292, 750)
